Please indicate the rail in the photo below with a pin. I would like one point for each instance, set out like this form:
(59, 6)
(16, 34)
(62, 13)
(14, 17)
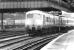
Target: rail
(24, 41)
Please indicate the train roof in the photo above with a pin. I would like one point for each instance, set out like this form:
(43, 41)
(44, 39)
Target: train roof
(36, 11)
(44, 13)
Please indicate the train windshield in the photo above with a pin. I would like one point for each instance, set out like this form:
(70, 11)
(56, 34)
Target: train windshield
(29, 15)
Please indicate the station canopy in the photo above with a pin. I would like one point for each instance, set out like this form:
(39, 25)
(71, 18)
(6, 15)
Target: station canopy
(33, 4)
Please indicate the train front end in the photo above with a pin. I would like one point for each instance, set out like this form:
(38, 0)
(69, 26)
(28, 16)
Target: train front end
(34, 20)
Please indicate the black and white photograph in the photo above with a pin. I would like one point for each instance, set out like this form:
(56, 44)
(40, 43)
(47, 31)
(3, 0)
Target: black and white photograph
(36, 24)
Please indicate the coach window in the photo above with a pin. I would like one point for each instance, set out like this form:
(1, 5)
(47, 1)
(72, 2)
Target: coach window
(47, 19)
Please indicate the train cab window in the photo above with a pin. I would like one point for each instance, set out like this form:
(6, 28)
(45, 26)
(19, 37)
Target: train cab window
(30, 16)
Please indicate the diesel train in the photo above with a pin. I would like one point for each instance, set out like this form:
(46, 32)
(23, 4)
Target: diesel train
(46, 22)
(40, 19)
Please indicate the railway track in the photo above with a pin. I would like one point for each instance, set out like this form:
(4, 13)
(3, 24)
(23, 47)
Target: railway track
(25, 42)
(36, 44)
(11, 41)
(39, 45)
(33, 45)
(8, 34)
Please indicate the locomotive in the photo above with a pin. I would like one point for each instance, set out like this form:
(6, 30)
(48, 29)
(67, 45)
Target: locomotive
(44, 21)
(40, 19)
(37, 20)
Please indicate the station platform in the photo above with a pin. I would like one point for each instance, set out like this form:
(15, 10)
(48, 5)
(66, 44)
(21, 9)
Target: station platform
(63, 42)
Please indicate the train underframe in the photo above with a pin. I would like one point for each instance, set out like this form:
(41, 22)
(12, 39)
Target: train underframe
(47, 30)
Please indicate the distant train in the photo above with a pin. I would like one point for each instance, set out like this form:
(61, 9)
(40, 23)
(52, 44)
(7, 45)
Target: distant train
(8, 23)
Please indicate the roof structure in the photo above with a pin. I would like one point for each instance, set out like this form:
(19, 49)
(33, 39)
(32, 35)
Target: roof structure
(17, 4)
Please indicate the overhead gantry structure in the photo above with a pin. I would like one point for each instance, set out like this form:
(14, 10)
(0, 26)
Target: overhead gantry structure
(7, 5)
